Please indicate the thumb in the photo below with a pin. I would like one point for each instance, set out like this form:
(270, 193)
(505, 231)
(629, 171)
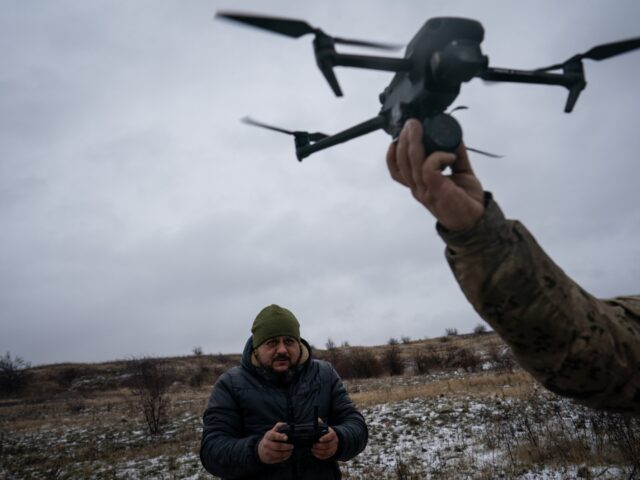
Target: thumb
(433, 167)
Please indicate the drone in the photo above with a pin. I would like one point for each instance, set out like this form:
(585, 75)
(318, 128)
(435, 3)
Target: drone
(442, 55)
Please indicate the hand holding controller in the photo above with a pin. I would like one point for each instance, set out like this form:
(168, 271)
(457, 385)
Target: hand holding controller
(304, 435)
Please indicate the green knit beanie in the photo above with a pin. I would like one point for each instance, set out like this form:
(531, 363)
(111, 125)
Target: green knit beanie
(274, 321)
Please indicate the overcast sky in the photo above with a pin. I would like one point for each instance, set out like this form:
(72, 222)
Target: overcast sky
(138, 216)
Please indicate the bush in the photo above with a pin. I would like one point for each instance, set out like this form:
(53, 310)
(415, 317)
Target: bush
(199, 376)
(151, 380)
(625, 434)
(392, 360)
(67, 376)
(14, 374)
(480, 329)
(426, 361)
(456, 357)
(451, 332)
(332, 354)
(502, 358)
(545, 429)
(358, 363)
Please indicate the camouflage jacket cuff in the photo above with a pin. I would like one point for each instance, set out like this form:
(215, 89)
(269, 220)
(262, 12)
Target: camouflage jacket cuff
(492, 228)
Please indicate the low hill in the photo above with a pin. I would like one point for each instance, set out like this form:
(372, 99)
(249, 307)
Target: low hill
(449, 408)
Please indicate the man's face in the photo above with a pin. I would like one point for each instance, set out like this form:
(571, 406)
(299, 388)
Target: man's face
(278, 353)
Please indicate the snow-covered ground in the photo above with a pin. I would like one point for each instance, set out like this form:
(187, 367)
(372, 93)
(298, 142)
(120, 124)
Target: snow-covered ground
(446, 436)
(463, 438)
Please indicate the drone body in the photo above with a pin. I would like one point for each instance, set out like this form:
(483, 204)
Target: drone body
(442, 55)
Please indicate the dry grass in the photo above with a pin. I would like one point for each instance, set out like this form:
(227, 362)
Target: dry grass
(478, 343)
(70, 425)
(516, 385)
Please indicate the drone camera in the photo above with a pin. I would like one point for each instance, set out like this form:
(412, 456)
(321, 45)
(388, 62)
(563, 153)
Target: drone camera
(458, 62)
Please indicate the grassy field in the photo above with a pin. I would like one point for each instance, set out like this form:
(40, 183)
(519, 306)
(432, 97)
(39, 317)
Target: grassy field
(456, 407)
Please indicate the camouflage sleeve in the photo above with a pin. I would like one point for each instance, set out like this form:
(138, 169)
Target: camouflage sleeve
(574, 344)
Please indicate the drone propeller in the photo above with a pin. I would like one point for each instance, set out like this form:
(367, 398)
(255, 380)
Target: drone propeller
(296, 29)
(475, 150)
(600, 52)
(314, 137)
(459, 107)
(323, 44)
(482, 152)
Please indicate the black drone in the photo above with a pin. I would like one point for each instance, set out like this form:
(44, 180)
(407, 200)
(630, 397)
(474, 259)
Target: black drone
(444, 53)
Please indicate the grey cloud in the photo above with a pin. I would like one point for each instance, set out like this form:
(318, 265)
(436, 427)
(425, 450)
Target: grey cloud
(140, 217)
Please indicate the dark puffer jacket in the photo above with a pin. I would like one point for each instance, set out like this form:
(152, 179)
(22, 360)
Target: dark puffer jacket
(244, 405)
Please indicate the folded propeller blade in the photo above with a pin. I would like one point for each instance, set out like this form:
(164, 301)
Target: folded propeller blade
(285, 26)
(482, 152)
(255, 123)
(608, 50)
(314, 137)
(600, 52)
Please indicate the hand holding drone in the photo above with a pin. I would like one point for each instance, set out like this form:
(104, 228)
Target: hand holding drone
(441, 56)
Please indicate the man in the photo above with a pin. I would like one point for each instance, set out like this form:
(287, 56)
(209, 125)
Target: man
(574, 344)
(279, 384)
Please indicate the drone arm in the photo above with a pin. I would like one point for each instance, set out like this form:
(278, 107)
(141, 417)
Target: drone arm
(388, 64)
(572, 78)
(363, 128)
(525, 76)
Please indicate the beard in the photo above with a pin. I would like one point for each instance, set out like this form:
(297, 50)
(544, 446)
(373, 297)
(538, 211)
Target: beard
(279, 378)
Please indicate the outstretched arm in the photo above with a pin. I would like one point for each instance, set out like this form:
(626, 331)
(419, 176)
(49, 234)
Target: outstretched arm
(573, 343)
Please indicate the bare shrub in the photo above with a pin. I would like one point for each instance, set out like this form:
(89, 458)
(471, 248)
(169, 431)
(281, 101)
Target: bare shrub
(406, 340)
(199, 376)
(545, 429)
(151, 379)
(392, 341)
(67, 376)
(223, 359)
(205, 373)
(464, 358)
(358, 363)
(625, 434)
(480, 329)
(333, 354)
(426, 361)
(197, 351)
(407, 470)
(451, 332)
(502, 359)
(14, 374)
(392, 360)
